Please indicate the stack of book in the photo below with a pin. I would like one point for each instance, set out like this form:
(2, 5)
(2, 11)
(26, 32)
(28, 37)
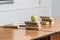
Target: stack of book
(45, 20)
(31, 25)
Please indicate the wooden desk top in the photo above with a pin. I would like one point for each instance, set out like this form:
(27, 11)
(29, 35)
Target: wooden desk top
(19, 34)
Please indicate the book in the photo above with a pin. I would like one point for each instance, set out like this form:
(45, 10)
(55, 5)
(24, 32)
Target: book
(14, 25)
(46, 19)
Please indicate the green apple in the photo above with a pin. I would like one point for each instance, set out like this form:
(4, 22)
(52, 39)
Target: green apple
(33, 18)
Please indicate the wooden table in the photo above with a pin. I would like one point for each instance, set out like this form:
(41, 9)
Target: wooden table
(20, 34)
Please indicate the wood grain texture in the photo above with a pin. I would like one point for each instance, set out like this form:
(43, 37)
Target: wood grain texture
(55, 36)
(19, 34)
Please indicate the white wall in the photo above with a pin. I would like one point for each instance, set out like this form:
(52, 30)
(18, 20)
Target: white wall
(19, 4)
(56, 8)
(11, 13)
